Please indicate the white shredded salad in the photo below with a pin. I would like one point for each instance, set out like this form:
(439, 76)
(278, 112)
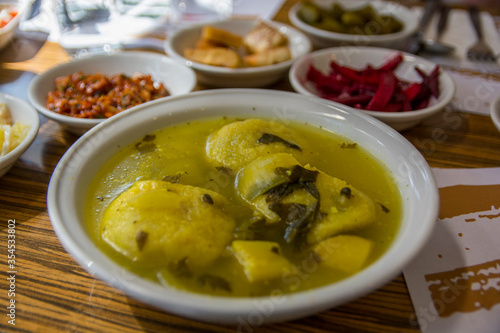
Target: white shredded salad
(11, 134)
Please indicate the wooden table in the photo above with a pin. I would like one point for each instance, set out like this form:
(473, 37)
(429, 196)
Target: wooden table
(54, 294)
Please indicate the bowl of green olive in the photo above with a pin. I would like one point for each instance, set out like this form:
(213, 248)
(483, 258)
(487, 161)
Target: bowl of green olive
(354, 22)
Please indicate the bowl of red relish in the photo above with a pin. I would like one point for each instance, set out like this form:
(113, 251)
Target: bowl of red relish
(85, 92)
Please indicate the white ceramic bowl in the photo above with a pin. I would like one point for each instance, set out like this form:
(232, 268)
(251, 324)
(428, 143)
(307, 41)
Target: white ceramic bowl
(24, 113)
(178, 79)
(495, 112)
(7, 32)
(322, 38)
(249, 77)
(359, 57)
(70, 180)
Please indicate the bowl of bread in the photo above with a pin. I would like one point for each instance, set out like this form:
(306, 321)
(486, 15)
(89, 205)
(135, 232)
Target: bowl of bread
(243, 53)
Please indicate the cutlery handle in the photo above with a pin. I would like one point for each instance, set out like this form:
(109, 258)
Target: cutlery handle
(429, 10)
(444, 12)
(476, 23)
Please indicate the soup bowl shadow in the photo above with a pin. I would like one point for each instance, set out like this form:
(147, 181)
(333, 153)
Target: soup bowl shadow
(76, 169)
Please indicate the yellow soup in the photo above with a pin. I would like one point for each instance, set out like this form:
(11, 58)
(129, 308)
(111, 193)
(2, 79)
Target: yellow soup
(243, 207)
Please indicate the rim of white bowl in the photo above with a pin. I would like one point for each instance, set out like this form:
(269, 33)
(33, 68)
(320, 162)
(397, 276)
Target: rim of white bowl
(36, 83)
(172, 51)
(75, 240)
(32, 133)
(445, 79)
(495, 112)
(406, 31)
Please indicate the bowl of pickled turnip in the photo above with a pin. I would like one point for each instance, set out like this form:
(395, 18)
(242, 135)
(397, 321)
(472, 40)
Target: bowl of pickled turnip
(398, 88)
(207, 204)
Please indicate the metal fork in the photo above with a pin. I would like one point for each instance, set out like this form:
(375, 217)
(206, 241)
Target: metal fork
(480, 51)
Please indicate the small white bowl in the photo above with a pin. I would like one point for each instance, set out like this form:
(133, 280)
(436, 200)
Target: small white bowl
(249, 77)
(359, 57)
(178, 79)
(323, 38)
(21, 112)
(412, 175)
(495, 112)
(7, 32)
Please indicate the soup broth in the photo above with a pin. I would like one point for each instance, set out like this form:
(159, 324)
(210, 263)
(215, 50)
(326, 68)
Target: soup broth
(178, 155)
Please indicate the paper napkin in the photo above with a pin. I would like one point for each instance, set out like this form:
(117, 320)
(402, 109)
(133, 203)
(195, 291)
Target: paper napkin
(454, 282)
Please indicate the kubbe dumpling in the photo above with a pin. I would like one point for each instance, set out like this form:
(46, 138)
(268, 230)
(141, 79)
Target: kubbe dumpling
(238, 143)
(345, 208)
(342, 207)
(174, 224)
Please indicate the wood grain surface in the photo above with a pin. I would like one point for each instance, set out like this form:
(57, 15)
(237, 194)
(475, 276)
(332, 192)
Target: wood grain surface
(54, 294)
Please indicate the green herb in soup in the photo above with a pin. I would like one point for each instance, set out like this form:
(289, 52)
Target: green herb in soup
(243, 207)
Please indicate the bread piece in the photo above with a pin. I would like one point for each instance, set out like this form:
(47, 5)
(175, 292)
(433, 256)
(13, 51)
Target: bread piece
(217, 56)
(268, 57)
(221, 37)
(205, 44)
(263, 37)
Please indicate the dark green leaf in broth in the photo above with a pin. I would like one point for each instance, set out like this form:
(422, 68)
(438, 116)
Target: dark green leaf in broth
(384, 208)
(268, 138)
(297, 218)
(277, 193)
(145, 148)
(141, 239)
(346, 191)
(349, 145)
(181, 268)
(224, 169)
(149, 138)
(301, 177)
(208, 199)
(173, 179)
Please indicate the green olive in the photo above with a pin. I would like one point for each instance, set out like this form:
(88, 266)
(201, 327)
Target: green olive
(309, 14)
(366, 12)
(352, 19)
(330, 24)
(336, 11)
(390, 24)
